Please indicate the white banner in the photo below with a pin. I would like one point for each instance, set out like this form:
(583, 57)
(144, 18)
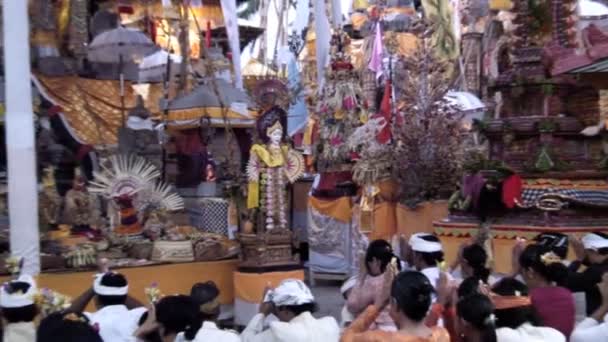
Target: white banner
(336, 9)
(302, 13)
(323, 32)
(232, 30)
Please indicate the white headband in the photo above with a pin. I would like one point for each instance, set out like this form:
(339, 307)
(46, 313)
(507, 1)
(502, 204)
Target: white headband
(594, 242)
(104, 290)
(418, 244)
(291, 292)
(18, 300)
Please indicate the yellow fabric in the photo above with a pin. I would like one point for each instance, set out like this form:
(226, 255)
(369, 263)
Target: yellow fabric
(339, 209)
(501, 5)
(407, 43)
(253, 195)
(444, 41)
(63, 19)
(250, 287)
(171, 278)
(270, 160)
(307, 138)
(360, 4)
(213, 112)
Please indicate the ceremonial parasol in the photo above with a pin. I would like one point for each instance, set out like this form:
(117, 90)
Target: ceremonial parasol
(118, 45)
(157, 66)
(204, 101)
(471, 106)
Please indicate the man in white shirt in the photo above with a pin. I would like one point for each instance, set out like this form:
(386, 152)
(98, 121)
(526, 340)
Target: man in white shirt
(595, 327)
(115, 321)
(426, 256)
(206, 295)
(293, 303)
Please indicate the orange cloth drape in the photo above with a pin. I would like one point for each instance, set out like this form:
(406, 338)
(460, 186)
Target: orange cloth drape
(420, 219)
(384, 221)
(250, 287)
(340, 208)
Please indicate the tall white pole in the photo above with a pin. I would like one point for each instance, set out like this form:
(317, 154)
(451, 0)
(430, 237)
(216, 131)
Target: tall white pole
(19, 126)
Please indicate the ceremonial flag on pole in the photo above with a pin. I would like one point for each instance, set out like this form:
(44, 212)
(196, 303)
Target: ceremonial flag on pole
(375, 63)
(384, 136)
(322, 40)
(232, 30)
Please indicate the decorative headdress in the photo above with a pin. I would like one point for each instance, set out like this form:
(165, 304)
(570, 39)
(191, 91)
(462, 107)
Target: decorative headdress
(130, 175)
(268, 120)
(271, 92)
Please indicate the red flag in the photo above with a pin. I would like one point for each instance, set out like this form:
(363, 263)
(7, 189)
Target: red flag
(384, 136)
(208, 35)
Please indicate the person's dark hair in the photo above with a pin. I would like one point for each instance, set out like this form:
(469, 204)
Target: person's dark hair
(154, 336)
(299, 309)
(179, 314)
(468, 287)
(112, 280)
(381, 250)
(204, 293)
(476, 257)
(556, 242)
(431, 259)
(22, 314)
(514, 317)
(551, 270)
(412, 292)
(477, 310)
(66, 327)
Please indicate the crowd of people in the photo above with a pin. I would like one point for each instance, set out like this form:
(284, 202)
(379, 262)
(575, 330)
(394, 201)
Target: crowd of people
(408, 295)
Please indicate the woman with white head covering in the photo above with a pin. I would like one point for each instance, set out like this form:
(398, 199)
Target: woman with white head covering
(19, 309)
(292, 303)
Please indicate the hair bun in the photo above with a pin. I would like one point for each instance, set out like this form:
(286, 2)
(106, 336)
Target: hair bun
(422, 292)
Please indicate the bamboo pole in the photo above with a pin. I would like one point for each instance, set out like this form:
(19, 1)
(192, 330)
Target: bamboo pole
(19, 125)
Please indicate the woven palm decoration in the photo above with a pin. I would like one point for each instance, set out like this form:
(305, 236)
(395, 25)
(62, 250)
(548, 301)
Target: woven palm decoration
(133, 175)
